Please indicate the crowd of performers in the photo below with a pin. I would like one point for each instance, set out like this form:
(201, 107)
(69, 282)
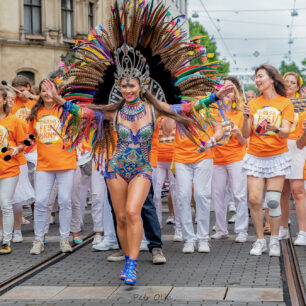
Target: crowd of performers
(212, 144)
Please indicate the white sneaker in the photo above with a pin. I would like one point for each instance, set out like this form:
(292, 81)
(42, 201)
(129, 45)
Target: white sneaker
(178, 236)
(203, 247)
(106, 245)
(143, 246)
(301, 238)
(232, 208)
(283, 233)
(170, 219)
(188, 248)
(241, 237)
(65, 245)
(17, 238)
(52, 220)
(37, 248)
(219, 235)
(232, 219)
(98, 239)
(274, 248)
(259, 247)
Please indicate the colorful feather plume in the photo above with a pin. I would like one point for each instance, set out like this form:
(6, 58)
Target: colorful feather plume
(144, 26)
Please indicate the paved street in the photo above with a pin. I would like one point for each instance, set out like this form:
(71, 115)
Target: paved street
(226, 276)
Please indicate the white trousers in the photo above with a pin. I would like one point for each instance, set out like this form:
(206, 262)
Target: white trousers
(199, 174)
(43, 185)
(7, 189)
(163, 169)
(75, 225)
(96, 183)
(234, 176)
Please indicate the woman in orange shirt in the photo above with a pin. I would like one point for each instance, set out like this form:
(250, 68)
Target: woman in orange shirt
(294, 181)
(227, 169)
(12, 136)
(165, 148)
(267, 121)
(53, 163)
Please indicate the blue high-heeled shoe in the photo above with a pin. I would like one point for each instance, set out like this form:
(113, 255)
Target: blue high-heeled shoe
(126, 266)
(130, 278)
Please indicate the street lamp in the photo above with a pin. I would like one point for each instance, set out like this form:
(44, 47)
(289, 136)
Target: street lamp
(195, 15)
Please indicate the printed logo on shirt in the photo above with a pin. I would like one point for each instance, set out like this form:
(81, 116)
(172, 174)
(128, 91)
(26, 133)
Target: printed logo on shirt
(23, 113)
(269, 113)
(4, 133)
(295, 122)
(48, 129)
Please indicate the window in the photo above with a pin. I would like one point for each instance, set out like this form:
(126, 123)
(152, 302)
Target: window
(32, 16)
(67, 18)
(90, 14)
(29, 74)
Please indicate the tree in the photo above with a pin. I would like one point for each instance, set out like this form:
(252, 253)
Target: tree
(292, 67)
(196, 29)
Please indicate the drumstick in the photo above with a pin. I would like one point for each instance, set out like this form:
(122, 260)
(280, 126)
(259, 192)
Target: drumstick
(58, 134)
(5, 83)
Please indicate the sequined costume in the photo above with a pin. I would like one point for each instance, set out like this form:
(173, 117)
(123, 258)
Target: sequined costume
(132, 155)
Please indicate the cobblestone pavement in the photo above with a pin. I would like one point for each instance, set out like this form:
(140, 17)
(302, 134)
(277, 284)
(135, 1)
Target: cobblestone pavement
(226, 276)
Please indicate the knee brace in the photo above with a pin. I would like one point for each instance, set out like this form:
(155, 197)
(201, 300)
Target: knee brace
(273, 203)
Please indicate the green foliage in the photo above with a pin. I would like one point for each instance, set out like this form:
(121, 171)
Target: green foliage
(292, 67)
(196, 29)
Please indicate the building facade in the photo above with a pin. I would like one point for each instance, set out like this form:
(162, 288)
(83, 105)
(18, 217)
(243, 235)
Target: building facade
(35, 35)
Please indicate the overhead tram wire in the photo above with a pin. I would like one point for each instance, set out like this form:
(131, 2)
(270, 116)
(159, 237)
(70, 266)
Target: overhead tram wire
(251, 11)
(218, 30)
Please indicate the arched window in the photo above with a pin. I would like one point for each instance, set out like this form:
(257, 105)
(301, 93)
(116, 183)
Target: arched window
(29, 74)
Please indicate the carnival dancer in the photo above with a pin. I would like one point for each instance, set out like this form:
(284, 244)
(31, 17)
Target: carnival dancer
(267, 121)
(294, 182)
(137, 57)
(12, 137)
(228, 159)
(53, 162)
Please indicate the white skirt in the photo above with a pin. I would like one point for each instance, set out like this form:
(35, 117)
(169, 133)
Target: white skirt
(266, 167)
(24, 193)
(298, 160)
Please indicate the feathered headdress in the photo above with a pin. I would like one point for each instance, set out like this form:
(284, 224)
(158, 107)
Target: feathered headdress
(157, 51)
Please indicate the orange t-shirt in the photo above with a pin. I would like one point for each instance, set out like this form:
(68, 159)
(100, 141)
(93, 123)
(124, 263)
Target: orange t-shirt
(21, 157)
(165, 145)
(11, 133)
(304, 172)
(154, 148)
(22, 110)
(51, 156)
(185, 151)
(275, 111)
(297, 126)
(233, 150)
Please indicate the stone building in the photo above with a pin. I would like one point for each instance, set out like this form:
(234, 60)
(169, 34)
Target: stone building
(36, 34)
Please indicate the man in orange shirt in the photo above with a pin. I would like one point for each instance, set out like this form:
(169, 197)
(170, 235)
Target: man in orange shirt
(192, 167)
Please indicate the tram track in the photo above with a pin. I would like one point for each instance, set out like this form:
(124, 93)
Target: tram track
(21, 277)
(294, 288)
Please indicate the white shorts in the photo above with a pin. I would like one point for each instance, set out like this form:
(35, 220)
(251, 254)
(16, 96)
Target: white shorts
(266, 167)
(298, 160)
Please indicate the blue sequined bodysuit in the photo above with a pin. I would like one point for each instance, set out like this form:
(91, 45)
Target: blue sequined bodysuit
(132, 155)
